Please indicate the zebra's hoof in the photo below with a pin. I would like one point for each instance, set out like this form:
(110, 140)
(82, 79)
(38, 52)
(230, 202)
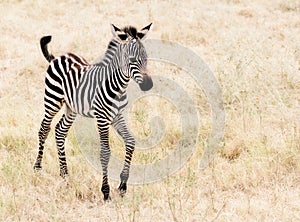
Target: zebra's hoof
(37, 167)
(122, 189)
(107, 198)
(64, 173)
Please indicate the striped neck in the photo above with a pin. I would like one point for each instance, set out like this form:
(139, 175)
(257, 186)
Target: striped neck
(110, 53)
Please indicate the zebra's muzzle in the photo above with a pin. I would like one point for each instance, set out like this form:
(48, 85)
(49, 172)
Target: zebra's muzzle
(147, 83)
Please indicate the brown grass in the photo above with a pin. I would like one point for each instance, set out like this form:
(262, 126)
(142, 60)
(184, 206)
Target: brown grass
(253, 48)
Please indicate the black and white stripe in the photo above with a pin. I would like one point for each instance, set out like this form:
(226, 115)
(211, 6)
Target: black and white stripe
(97, 91)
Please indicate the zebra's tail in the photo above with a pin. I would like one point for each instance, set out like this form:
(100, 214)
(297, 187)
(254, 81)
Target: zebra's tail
(44, 41)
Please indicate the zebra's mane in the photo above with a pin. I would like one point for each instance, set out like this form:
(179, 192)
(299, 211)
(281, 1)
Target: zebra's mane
(113, 45)
(109, 54)
(129, 30)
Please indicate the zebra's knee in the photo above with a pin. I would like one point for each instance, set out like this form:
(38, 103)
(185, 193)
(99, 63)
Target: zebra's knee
(58, 130)
(130, 142)
(45, 125)
(105, 154)
(43, 132)
(60, 138)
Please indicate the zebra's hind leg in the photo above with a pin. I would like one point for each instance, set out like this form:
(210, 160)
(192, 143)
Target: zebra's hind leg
(43, 133)
(103, 128)
(61, 131)
(120, 126)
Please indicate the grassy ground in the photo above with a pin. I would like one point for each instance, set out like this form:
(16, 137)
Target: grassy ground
(253, 48)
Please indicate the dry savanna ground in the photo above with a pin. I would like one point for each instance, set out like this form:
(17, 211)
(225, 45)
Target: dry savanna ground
(253, 49)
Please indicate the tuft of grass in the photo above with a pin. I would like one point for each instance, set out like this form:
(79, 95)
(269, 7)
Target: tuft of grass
(290, 6)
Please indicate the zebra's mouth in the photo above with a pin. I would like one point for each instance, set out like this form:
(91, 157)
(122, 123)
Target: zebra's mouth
(147, 83)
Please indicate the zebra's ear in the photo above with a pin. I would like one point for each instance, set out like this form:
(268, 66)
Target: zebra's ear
(143, 32)
(118, 33)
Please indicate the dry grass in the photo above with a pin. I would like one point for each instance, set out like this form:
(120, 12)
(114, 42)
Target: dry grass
(253, 48)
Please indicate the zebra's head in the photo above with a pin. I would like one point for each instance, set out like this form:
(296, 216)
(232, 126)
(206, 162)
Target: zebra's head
(134, 56)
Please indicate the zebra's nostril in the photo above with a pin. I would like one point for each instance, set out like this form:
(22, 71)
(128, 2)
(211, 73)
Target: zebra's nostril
(147, 83)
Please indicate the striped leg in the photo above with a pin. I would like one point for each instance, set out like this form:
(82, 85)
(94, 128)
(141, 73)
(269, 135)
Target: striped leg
(61, 131)
(120, 126)
(43, 134)
(50, 112)
(103, 128)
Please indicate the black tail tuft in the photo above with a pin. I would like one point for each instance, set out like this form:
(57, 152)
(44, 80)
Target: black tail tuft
(44, 41)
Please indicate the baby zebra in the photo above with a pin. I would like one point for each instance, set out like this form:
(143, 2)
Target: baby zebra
(96, 91)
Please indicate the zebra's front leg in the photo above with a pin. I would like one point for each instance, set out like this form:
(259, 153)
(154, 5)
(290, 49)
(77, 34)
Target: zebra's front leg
(61, 131)
(104, 157)
(121, 127)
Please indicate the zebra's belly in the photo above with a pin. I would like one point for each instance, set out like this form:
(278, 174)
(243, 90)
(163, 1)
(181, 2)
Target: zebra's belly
(81, 105)
(89, 104)
(109, 111)
(87, 111)
(90, 113)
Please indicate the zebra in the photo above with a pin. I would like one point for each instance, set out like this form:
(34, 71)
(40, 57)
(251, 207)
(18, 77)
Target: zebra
(97, 91)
